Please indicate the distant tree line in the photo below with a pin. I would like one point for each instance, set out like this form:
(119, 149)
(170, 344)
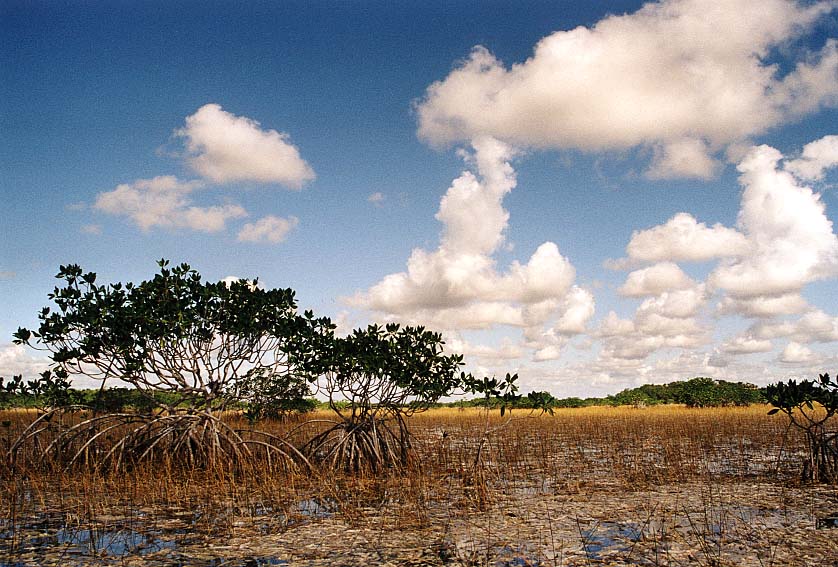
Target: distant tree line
(117, 399)
(697, 392)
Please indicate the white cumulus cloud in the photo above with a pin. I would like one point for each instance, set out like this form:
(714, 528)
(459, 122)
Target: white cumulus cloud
(165, 201)
(16, 359)
(762, 306)
(815, 326)
(790, 239)
(746, 344)
(459, 286)
(655, 280)
(817, 157)
(683, 238)
(795, 353)
(683, 77)
(225, 148)
(270, 228)
(687, 157)
(666, 320)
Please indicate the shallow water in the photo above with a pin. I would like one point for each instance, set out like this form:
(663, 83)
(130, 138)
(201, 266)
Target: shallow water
(76, 545)
(49, 539)
(610, 536)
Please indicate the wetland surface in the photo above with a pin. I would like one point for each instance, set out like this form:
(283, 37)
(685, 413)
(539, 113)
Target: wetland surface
(609, 486)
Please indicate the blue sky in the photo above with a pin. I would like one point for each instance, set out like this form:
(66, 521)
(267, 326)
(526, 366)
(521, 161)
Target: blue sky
(593, 194)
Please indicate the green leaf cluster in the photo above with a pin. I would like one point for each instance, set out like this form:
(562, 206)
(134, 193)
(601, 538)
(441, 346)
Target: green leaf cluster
(206, 342)
(696, 392)
(51, 390)
(802, 396)
(810, 406)
(390, 367)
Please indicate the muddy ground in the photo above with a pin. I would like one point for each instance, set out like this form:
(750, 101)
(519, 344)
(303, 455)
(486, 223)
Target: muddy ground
(731, 523)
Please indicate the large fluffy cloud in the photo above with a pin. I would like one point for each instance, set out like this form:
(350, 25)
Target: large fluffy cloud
(683, 238)
(224, 148)
(165, 201)
(685, 77)
(655, 280)
(458, 285)
(815, 326)
(790, 239)
(783, 242)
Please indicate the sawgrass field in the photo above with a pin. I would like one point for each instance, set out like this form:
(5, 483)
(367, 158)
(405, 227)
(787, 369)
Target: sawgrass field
(662, 485)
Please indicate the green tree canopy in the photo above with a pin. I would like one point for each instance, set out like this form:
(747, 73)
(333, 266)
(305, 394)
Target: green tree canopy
(192, 347)
(176, 333)
(373, 379)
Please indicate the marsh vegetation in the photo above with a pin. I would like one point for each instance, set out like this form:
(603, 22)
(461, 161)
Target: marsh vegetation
(664, 485)
(205, 461)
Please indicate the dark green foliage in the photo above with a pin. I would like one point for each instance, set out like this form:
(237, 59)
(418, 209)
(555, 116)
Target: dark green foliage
(29, 395)
(543, 401)
(810, 405)
(373, 379)
(390, 367)
(702, 392)
(172, 333)
(502, 394)
(697, 392)
(51, 390)
(126, 399)
(273, 395)
(12, 392)
(190, 348)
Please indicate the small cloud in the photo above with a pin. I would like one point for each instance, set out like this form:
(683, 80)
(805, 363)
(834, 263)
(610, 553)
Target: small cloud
(376, 199)
(795, 353)
(91, 229)
(75, 207)
(268, 229)
(818, 156)
(655, 280)
(165, 201)
(6, 275)
(746, 344)
(682, 238)
(225, 148)
(618, 264)
(682, 158)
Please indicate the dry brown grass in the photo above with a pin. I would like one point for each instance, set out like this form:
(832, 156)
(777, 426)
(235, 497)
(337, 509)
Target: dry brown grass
(466, 460)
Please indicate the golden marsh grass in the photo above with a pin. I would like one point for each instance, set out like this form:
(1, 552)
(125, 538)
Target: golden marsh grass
(563, 489)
